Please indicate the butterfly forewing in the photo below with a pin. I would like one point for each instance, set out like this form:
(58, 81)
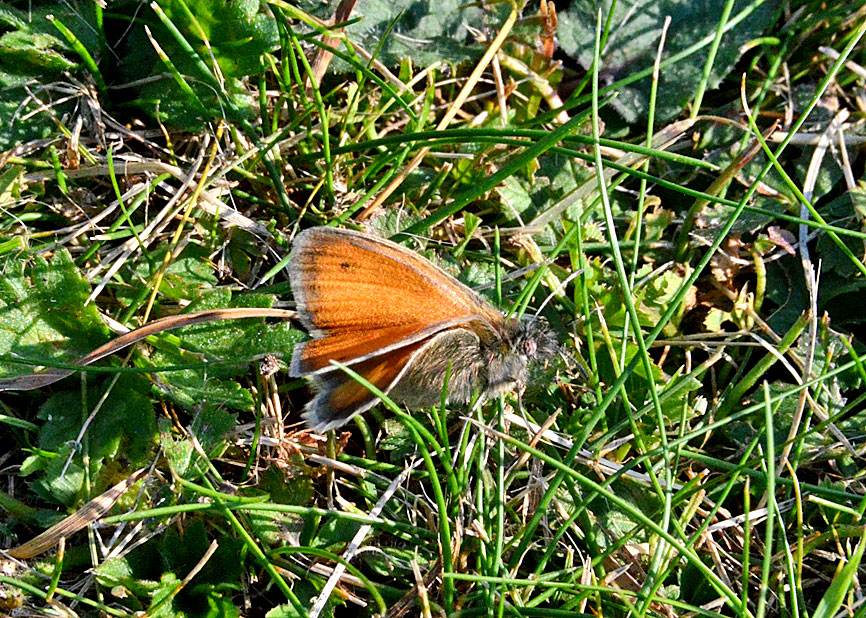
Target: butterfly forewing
(349, 285)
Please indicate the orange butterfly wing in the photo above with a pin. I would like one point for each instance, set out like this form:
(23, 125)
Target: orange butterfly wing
(359, 295)
(341, 397)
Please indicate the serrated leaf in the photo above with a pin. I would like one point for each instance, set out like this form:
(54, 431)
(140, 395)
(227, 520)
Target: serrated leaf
(125, 420)
(515, 198)
(209, 593)
(32, 51)
(784, 412)
(15, 129)
(397, 440)
(672, 404)
(335, 533)
(43, 317)
(36, 49)
(424, 31)
(212, 426)
(180, 454)
(124, 425)
(164, 602)
(238, 32)
(633, 43)
(839, 212)
(192, 388)
(656, 222)
(233, 342)
(186, 278)
(227, 338)
(11, 179)
(787, 289)
(32, 464)
(59, 485)
(714, 320)
(276, 528)
(829, 171)
(288, 489)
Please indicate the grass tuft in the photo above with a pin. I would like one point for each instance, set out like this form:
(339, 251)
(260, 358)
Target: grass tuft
(681, 199)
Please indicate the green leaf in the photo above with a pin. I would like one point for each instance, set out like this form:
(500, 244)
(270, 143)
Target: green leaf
(181, 454)
(125, 421)
(335, 533)
(235, 342)
(228, 338)
(294, 488)
(633, 43)
(32, 52)
(784, 413)
(395, 561)
(60, 483)
(133, 576)
(840, 212)
(42, 313)
(283, 611)
(193, 388)
(275, 528)
(34, 48)
(124, 424)
(547, 181)
(212, 426)
(397, 440)
(182, 553)
(15, 129)
(186, 278)
(237, 33)
(787, 289)
(713, 217)
(515, 198)
(163, 605)
(657, 295)
(423, 30)
(656, 222)
(219, 604)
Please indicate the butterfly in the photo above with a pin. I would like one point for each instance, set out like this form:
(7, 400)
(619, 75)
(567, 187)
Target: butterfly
(403, 324)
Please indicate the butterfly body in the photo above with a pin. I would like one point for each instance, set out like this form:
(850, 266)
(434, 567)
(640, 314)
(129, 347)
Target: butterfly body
(403, 324)
(493, 366)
